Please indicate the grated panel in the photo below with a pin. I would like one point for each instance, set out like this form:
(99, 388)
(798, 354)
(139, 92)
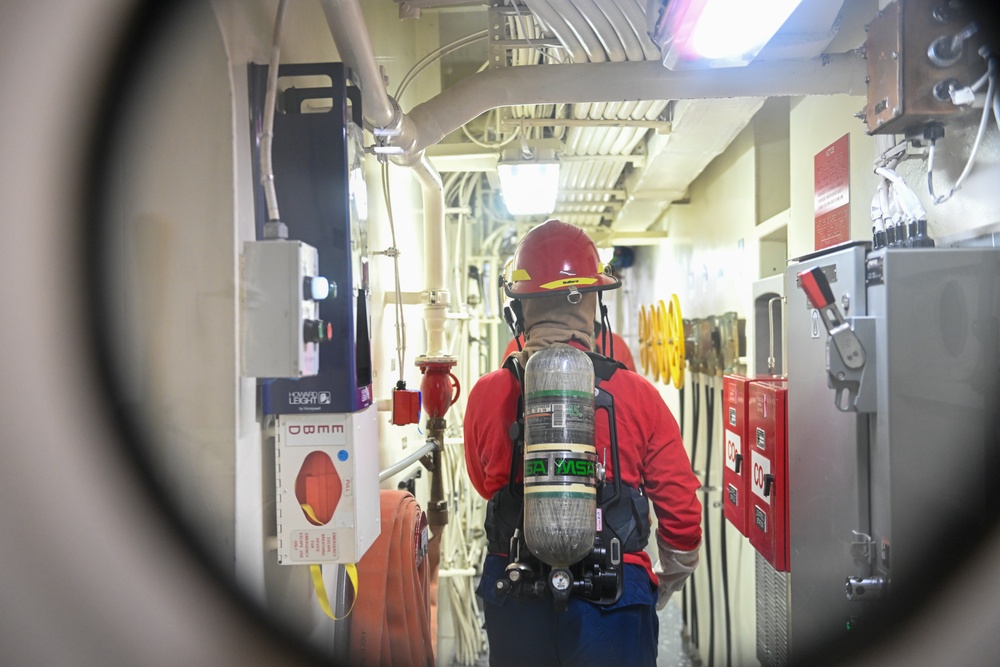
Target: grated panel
(772, 614)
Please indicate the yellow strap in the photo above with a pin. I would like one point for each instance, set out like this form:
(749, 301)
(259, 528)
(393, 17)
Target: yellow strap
(311, 513)
(320, 585)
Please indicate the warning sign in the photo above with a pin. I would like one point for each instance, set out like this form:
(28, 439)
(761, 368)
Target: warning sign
(309, 545)
(832, 203)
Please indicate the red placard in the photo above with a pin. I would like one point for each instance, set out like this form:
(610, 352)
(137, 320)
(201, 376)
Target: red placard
(832, 203)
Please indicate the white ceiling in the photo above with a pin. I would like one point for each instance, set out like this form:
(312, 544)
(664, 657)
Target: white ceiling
(634, 173)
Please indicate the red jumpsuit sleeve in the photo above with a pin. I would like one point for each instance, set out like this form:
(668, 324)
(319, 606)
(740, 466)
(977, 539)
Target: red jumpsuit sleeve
(490, 410)
(670, 484)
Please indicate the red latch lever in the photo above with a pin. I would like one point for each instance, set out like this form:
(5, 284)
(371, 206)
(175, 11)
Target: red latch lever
(817, 288)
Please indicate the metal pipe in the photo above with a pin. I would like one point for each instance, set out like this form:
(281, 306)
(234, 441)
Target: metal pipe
(458, 572)
(436, 297)
(560, 28)
(658, 125)
(635, 12)
(347, 26)
(606, 33)
(437, 506)
(411, 458)
(267, 133)
(623, 29)
(609, 82)
(595, 49)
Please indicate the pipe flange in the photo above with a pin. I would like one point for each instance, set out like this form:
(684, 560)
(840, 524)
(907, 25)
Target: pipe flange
(395, 126)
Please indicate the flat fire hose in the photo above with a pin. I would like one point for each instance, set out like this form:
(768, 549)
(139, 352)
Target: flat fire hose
(391, 619)
(434, 565)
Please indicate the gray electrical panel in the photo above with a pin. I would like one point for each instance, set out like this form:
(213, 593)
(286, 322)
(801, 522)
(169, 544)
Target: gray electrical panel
(893, 467)
(934, 450)
(827, 457)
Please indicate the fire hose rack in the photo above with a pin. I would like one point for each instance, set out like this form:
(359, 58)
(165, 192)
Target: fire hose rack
(661, 342)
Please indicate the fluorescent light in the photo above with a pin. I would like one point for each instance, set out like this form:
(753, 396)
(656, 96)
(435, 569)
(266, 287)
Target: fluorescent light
(529, 188)
(718, 33)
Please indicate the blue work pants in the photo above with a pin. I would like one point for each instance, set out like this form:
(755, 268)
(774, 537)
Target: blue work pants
(528, 631)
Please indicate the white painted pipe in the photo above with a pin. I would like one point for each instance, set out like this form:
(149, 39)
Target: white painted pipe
(607, 82)
(591, 44)
(622, 27)
(457, 572)
(436, 296)
(347, 26)
(635, 12)
(605, 32)
(560, 28)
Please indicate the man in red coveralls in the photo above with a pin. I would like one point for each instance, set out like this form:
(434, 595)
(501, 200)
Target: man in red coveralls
(556, 276)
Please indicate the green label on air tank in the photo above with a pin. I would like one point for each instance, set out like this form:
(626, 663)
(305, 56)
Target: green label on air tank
(562, 467)
(575, 467)
(536, 467)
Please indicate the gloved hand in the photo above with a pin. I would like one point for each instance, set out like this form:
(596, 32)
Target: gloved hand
(672, 569)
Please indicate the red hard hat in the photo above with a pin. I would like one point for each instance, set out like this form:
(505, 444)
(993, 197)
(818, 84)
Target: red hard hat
(557, 257)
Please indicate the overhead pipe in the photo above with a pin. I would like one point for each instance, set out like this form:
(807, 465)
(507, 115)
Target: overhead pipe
(606, 33)
(428, 123)
(623, 28)
(561, 28)
(639, 81)
(347, 26)
(350, 34)
(635, 13)
(436, 295)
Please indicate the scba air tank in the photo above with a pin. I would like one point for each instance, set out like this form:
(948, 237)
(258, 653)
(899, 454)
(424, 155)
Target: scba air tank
(560, 477)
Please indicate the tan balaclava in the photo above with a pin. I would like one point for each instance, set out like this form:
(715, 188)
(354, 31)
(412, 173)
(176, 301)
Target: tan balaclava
(553, 319)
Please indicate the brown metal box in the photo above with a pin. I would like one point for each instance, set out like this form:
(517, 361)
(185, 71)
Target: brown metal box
(901, 75)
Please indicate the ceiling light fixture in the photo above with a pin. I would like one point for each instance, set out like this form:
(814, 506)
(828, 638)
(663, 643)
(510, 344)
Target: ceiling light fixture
(529, 180)
(714, 33)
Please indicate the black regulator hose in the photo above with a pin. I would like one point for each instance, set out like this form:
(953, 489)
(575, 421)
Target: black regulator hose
(709, 417)
(695, 414)
(684, 589)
